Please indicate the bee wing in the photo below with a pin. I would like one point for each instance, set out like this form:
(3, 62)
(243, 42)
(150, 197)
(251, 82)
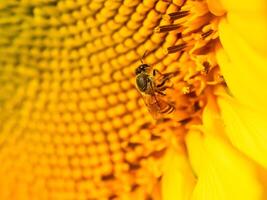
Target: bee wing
(152, 105)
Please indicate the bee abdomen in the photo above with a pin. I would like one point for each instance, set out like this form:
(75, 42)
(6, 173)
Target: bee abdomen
(168, 109)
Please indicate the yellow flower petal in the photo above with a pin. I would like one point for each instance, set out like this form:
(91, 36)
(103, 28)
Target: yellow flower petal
(245, 128)
(243, 6)
(249, 19)
(243, 69)
(211, 117)
(222, 172)
(178, 180)
(216, 7)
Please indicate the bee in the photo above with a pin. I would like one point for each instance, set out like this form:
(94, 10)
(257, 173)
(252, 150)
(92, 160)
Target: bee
(152, 89)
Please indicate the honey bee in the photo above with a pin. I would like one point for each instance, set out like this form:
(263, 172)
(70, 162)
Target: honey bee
(152, 88)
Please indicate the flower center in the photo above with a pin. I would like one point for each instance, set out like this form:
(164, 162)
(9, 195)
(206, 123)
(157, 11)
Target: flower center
(191, 35)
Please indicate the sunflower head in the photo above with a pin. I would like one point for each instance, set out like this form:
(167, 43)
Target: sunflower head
(75, 126)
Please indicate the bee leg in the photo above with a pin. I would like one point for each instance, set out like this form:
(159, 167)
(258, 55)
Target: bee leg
(164, 88)
(171, 74)
(163, 82)
(160, 92)
(155, 71)
(166, 75)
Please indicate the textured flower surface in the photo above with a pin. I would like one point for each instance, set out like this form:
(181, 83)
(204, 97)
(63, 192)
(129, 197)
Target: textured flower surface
(73, 125)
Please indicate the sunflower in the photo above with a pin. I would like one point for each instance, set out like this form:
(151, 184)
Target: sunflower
(73, 124)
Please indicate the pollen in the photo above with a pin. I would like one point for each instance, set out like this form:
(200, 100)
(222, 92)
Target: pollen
(73, 124)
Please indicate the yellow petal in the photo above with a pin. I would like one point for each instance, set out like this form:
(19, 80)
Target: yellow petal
(242, 6)
(243, 69)
(216, 7)
(249, 19)
(222, 172)
(178, 180)
(245, 128)
(211, 116)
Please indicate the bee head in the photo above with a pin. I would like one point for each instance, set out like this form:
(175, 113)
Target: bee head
(141, 68)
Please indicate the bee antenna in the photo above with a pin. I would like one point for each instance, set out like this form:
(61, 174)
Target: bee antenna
(144, 55)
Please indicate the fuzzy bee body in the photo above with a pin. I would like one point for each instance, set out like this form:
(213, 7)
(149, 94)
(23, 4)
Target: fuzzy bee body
(153, 92)
(144, 83)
